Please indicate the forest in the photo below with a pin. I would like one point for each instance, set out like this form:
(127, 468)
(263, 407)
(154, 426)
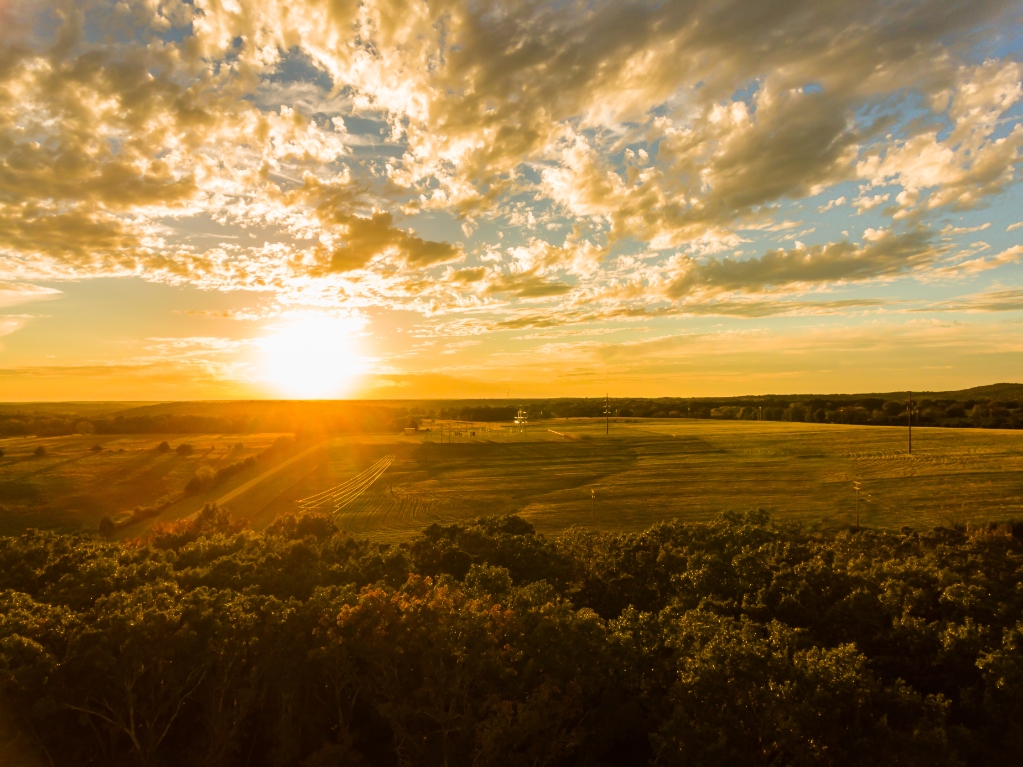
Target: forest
(743, 641)
(889, 410)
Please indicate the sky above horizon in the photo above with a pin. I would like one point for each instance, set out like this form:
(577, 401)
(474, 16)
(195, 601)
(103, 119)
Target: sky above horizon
(394, 198)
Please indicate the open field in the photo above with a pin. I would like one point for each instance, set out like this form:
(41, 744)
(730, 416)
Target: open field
(74, 485)
(652, 470)
(558, 474)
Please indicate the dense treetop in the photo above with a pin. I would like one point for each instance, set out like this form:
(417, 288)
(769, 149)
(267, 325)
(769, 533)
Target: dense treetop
(743, 641)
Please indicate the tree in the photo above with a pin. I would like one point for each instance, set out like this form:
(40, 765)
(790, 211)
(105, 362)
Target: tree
(737, 641)
(203, 478)
(748, 694)
(132, 670)
(893, 408)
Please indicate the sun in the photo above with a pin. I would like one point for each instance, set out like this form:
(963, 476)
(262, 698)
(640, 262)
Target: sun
(312, 357)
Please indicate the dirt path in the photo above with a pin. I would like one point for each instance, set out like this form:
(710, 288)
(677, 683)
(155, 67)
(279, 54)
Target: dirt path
(256, 480)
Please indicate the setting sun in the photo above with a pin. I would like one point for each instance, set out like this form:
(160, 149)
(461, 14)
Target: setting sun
(311, 358)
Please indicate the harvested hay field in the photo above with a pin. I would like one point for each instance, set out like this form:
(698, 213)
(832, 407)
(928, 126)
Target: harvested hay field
(569, 473)
(557, 474)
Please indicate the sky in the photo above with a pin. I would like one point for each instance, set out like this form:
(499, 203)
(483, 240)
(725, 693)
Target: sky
(406, 199)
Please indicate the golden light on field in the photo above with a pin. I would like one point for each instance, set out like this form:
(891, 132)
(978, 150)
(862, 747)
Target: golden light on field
(312, 357)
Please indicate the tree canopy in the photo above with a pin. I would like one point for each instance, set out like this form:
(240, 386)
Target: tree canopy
(742, 641)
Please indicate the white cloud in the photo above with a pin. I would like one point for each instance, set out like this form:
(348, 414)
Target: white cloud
(305, 149)
(15, 293)
(832, 204)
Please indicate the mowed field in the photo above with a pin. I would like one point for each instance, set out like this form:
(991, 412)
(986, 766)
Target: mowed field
(73, 486)
(557, 474)
(563, 474)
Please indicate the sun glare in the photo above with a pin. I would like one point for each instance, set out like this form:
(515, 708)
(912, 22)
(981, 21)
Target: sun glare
(312, 358)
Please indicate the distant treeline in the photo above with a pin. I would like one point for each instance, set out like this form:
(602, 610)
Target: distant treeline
(740, 642)
(350, 419)
(992, 414)
(344, 417)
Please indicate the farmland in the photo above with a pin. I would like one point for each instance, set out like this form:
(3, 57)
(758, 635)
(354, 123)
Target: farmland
(80, 479)
(559, 474)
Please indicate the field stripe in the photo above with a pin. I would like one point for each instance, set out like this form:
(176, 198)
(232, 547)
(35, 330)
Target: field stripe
(340, 496)
(253, 482)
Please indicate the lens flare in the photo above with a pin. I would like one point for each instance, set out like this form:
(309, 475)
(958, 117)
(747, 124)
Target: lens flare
(312, 357)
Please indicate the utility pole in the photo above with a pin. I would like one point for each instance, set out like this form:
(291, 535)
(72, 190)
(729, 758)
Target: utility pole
(607, 415)
(856, 486)
(910, 413)
(593, 500)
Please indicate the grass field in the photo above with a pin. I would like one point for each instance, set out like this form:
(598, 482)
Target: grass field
(558, 474)
(74, 486)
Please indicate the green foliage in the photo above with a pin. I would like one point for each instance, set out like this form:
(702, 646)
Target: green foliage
(741, 641)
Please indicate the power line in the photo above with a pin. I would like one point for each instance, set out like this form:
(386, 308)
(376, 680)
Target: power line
(910, 414)
(856, 487)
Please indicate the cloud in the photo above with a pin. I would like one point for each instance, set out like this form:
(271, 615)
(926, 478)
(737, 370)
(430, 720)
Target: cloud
(973, 161)
(467, 276)
(788, 308)
(997, 300)
(456, 346)
(526, 285)
(953, 230)
(603, 158)
(14, 293)
(976, 265)
(886, 256)
(865, 203)
(375, 236)
(832, 204)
